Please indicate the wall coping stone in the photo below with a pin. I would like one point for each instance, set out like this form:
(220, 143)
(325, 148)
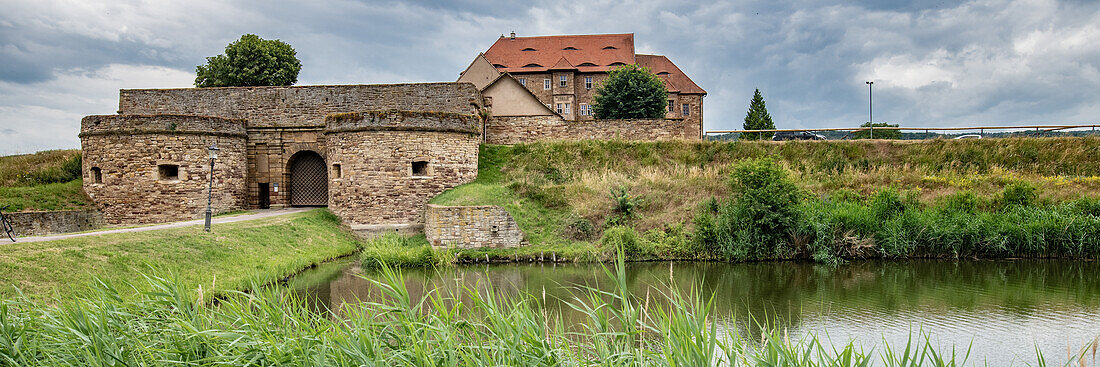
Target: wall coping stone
(315, 86)
(168, 124)
(402, 120)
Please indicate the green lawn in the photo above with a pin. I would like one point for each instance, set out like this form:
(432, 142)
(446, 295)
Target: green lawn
(236, 254)
(55, 196)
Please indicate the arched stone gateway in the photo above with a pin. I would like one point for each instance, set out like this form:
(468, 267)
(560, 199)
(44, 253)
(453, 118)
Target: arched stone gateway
(308, 179)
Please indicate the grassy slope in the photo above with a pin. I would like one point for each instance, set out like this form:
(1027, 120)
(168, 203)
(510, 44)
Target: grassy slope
(47, 180)
(237, 254)
(548, 186)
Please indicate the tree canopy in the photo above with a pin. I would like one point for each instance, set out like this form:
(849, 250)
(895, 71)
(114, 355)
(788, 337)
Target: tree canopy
(250, 61)
(631, 92)
(758, 119)
(878, 134)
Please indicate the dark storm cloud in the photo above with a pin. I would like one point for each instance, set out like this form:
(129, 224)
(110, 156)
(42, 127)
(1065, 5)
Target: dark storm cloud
(933, 62)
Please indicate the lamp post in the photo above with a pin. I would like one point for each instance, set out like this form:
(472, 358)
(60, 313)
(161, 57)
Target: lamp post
(871, 109)
(210, 189)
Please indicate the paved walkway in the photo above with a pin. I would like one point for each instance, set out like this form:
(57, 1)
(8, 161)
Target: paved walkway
(255, 214)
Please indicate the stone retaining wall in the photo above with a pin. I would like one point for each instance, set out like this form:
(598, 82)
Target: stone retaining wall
(526, 129)
(53, 222)
(471, 227)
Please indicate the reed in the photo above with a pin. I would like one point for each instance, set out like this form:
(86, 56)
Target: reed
(465, 326)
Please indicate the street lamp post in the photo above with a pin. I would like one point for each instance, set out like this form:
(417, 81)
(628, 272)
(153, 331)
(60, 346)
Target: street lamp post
(210, 189)
(871, 109)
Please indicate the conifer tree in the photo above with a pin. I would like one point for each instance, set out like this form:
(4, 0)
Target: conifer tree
(758, 119)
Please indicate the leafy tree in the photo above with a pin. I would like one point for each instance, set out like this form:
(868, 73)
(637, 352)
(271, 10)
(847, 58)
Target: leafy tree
(250, 61)
(758, 119)
(879, 134)
(631, 92)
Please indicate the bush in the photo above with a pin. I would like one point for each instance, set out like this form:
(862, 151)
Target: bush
(1019, 194)
(887, 203)
(624, 239)
(625, 209)
(580, 230)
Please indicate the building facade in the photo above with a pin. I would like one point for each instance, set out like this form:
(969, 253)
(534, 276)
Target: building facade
(563, 72)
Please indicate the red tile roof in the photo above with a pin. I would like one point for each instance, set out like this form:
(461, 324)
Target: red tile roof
(675, 80)
(539, 54)
(583, 53)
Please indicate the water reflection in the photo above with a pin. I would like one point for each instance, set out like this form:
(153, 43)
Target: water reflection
(998, 305)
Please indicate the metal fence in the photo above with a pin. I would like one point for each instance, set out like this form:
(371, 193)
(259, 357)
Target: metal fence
(942, 131)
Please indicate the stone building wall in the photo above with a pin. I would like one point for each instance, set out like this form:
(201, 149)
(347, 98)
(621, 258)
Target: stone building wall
(299, 106)
(526, 129)
(51, 222)
(380, 184)
(471, 227)
(123, 156)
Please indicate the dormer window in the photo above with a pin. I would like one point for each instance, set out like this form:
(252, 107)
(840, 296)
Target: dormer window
(532, 66)
(616, 64)
(570, 48)
(663, 73)
(587, 64)
(499, 66)
(610, 48)
(528, 49)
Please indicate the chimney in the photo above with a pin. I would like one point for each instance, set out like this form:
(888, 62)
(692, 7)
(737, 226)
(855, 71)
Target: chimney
(513, 34)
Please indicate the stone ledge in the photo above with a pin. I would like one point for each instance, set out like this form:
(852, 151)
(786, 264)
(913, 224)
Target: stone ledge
(402, 120)
(167, 124)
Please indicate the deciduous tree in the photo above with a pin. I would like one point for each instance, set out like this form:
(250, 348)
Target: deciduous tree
(250, 61)
(631, 92)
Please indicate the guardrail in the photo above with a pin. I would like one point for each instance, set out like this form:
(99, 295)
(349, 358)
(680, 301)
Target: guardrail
(981, 129)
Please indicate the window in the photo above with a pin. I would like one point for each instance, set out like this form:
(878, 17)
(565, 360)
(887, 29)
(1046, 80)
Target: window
(97, 175)
(587, 64)
(587, 82)
(546, 83)
(584, 110)
(616, 64)
(559, 109)
(610, 48)
(687, 109)
(528, 49)
(336, 172)
(663, 73)
(562, 81)
(523, 81)
(532, 66)
(168, 172)
(570, 48)
(671, 106)
(566, 108)
(498, 66)
(420, 168)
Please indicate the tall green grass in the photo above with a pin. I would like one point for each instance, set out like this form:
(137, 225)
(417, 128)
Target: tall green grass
(170, 325)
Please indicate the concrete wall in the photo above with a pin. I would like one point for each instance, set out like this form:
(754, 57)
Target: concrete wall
(52, 222)
(299, 106)
(377, 188)
(471, 227)
(525, 129)
(127, 150)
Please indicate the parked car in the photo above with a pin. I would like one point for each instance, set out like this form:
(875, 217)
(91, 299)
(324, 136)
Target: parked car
(797, 135)
(968, 136)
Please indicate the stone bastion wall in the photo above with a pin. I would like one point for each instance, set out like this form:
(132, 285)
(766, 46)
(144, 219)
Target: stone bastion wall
(386, 164)
(471, 227)
(526, 129)
(156, 168)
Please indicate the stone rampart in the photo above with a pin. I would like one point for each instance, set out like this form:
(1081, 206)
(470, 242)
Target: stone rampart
(526, 129)
(471, 227)
(52, 222)
(300, 105)
(386, 165)
(151, 169)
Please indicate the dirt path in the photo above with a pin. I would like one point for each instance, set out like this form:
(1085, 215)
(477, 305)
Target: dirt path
(257, 214)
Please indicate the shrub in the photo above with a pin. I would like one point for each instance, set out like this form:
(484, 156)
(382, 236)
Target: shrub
(625, 208)
(766, 206)
(624, 239)
(580, 230)
(1019, 194)
(887, 203)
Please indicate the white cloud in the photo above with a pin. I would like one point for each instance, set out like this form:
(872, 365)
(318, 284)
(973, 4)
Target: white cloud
(47, 115)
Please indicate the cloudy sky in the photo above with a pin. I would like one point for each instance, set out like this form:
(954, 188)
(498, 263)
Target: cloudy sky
(934, 63)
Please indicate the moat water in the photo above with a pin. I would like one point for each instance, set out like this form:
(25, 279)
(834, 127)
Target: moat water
(1002, 309)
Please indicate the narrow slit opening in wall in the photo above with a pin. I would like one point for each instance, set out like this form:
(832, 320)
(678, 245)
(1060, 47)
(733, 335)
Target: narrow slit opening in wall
(336, 171)
(168, 172)
(97, 175)
(420, 168)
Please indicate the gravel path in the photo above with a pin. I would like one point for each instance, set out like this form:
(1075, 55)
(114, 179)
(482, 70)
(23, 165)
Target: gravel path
(256, 214)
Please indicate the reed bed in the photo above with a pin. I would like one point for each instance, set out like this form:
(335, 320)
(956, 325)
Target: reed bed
(468, 326)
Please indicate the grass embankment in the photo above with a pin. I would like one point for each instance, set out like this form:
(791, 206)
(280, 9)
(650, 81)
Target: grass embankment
(47, 180)
(447, 327)
(561, 194)
(238, 254)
